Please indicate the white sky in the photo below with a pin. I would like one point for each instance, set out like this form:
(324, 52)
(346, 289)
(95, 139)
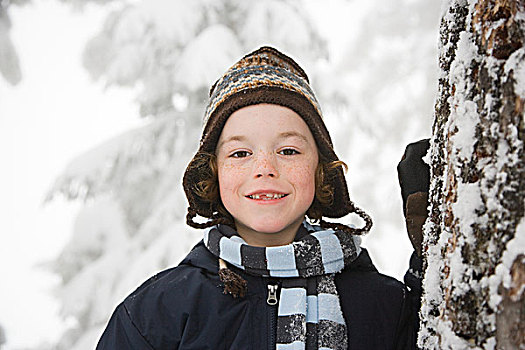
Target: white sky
(53, 115)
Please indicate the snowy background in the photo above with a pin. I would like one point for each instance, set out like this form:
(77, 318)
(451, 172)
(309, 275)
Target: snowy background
(100, 109)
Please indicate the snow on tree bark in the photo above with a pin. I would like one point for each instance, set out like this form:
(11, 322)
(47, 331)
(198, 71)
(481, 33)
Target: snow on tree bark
(475, 235)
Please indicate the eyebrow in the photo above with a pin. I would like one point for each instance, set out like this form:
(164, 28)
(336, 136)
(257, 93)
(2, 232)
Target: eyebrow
(287, 134)
(230, 139)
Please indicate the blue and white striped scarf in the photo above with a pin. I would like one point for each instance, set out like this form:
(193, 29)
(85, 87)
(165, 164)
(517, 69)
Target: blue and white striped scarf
(309, 311)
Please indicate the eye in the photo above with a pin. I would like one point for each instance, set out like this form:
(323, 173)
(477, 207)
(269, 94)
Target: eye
(240, 154)
(288, 152)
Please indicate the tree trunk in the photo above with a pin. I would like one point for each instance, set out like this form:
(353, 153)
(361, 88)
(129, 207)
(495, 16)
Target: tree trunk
(475, 236)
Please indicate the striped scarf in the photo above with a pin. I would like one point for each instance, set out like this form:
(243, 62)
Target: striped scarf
(309, 314)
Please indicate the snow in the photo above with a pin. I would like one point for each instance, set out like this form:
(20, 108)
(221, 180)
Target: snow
(432, 277)
(53, 115)
(465, 120)
(9, 62)
(449, 339)
(196, 69)
(370, 70)
(516, 62)
(98, 227)
(165, 19)
(275, 21)
(502, 276)
(490, 344)
(515, 247)
(444, 13)
(465, 210)
(95, 167)
(465, 53)
(470, 201)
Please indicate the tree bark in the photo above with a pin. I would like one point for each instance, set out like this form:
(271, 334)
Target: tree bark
(475, 235)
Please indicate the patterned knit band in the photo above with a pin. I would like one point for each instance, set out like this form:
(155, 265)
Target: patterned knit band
(309, 312)
(239, 79)
(264, 76)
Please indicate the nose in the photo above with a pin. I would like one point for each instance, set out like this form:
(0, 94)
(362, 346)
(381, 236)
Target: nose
(265, 166)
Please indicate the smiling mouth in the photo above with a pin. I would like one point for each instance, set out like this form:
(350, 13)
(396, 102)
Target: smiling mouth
(266, 196)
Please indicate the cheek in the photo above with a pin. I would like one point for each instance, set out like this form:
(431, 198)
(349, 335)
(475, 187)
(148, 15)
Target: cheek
(229, 177)
(224, 178)
(303, 178)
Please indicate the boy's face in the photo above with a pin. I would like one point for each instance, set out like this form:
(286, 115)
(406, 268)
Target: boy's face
(266, 157)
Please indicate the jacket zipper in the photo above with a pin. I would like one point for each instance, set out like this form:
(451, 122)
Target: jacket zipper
(272, 302)
(272, 294)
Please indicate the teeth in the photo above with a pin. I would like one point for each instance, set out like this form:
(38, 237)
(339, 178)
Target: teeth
(266, 196)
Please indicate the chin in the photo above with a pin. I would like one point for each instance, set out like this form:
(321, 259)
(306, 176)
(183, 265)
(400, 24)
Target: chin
(273, 226)
(265, 228)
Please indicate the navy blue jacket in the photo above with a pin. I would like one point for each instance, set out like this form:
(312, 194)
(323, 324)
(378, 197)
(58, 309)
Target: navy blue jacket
(185, 308)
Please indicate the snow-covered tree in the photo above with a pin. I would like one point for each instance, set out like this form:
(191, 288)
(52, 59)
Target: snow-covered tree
(381, 91)
(170, 52)
(2, 336)
(475, 235)
(9, 61)
(132, 225)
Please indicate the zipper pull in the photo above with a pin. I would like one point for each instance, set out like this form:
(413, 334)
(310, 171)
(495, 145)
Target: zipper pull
(272, 294)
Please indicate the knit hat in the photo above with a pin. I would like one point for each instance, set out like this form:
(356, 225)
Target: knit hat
(265, 76)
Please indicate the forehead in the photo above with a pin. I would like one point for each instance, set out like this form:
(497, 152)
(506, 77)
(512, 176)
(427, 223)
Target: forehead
(265, 120)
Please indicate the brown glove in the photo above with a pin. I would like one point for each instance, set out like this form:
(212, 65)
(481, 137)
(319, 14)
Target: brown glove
(414, 180)
(416, 215)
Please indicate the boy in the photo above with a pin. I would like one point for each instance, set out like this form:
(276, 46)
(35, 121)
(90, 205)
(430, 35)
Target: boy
(264, 277)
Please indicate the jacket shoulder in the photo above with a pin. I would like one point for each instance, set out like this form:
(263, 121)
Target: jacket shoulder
(362, 279)
(161, 306)
(196, 265)
(373, 304)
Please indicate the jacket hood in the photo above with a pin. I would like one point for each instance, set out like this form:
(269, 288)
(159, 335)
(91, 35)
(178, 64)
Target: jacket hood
(201, 257)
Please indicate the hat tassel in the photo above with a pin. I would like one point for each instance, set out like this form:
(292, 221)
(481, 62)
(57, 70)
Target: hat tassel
(233, 283)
